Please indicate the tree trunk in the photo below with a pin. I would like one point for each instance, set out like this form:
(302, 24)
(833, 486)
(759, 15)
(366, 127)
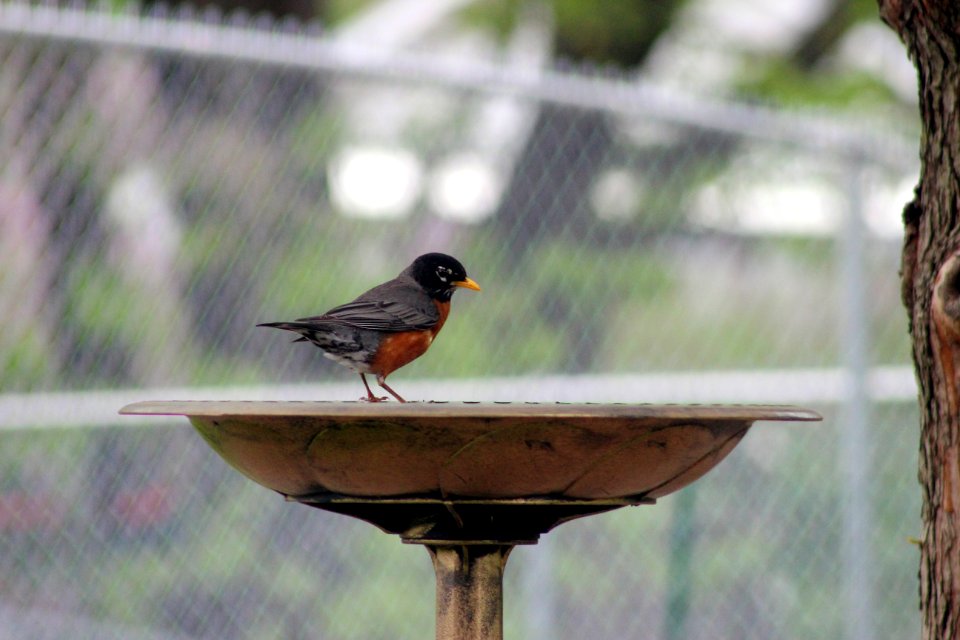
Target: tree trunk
(931, 292)
(548, 196)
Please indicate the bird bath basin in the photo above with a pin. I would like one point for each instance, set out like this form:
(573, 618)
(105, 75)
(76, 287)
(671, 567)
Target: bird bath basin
(468, 480)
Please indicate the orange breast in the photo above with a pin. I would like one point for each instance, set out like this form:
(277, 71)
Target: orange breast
(398, 349)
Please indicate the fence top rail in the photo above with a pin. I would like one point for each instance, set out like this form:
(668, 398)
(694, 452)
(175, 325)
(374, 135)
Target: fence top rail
(818, 387)
(248, 41)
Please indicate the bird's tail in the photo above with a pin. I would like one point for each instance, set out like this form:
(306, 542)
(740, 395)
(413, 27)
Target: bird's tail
(297, 327)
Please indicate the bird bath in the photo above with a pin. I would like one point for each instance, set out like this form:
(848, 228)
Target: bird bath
(469, 481)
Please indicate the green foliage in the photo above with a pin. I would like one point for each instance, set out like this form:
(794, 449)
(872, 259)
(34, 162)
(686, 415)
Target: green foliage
(27, 363)
(101, 301)
(312, 137)
(617, 31)
(782, 81)
(339, 11)
(106, 309)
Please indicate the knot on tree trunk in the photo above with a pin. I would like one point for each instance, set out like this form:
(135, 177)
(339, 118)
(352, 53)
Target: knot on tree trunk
(946, 321)
(946, 297)
(908, 265)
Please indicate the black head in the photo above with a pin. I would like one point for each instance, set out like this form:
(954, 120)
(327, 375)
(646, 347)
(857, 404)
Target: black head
(440, 275)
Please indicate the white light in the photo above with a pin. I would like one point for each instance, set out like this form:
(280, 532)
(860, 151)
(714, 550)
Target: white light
(802, 208)
(884, 210)
(876, 49)
(759, 24)
(616, 195)
(465, 188)
(375, 182)
(145, 233)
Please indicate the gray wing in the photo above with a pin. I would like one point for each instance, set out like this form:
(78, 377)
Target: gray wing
(404, 310)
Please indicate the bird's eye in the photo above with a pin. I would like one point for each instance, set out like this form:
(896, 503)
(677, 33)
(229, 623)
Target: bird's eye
(442, 273)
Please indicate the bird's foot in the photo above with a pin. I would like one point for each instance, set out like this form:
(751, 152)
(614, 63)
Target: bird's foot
(372, 398)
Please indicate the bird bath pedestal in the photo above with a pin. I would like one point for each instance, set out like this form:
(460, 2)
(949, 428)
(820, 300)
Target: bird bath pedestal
(470, 481)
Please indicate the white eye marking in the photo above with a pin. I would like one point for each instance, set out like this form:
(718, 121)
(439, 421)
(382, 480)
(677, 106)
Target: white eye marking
(442, 273)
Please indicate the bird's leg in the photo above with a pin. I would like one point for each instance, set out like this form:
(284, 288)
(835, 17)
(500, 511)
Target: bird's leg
(383, 383)
(370, 397)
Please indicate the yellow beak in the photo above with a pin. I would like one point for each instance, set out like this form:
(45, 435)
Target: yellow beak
(467, 283)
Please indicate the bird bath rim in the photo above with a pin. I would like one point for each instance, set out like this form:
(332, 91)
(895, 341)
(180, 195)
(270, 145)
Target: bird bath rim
(470, 409)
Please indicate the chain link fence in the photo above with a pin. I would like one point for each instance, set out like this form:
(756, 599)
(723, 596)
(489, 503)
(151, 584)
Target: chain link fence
(167, 182)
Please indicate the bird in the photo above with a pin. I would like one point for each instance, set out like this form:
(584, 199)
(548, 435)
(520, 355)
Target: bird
(390, 325)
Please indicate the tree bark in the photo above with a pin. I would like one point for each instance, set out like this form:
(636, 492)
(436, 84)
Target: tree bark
(931, 293)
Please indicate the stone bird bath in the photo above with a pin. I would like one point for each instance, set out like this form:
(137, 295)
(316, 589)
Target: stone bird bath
(469, 481)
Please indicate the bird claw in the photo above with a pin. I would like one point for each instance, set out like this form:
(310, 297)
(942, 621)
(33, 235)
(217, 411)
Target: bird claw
(374, 399)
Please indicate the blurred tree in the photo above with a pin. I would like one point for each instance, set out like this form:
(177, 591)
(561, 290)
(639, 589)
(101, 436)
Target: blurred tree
(568, 147)
(806, 71)
(819, 41)
(238, 108)
(549, 193)
(931, 292)
(193, 85)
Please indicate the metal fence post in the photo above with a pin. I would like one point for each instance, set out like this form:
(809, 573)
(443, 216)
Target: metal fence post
(680, 576)
(855, 413)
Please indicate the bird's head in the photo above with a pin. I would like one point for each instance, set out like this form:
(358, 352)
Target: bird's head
(440, 275)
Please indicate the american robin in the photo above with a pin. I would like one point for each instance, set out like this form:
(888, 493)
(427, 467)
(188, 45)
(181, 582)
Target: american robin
(390, 325)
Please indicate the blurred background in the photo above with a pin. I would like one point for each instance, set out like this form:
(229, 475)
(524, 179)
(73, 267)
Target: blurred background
(672, 201)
